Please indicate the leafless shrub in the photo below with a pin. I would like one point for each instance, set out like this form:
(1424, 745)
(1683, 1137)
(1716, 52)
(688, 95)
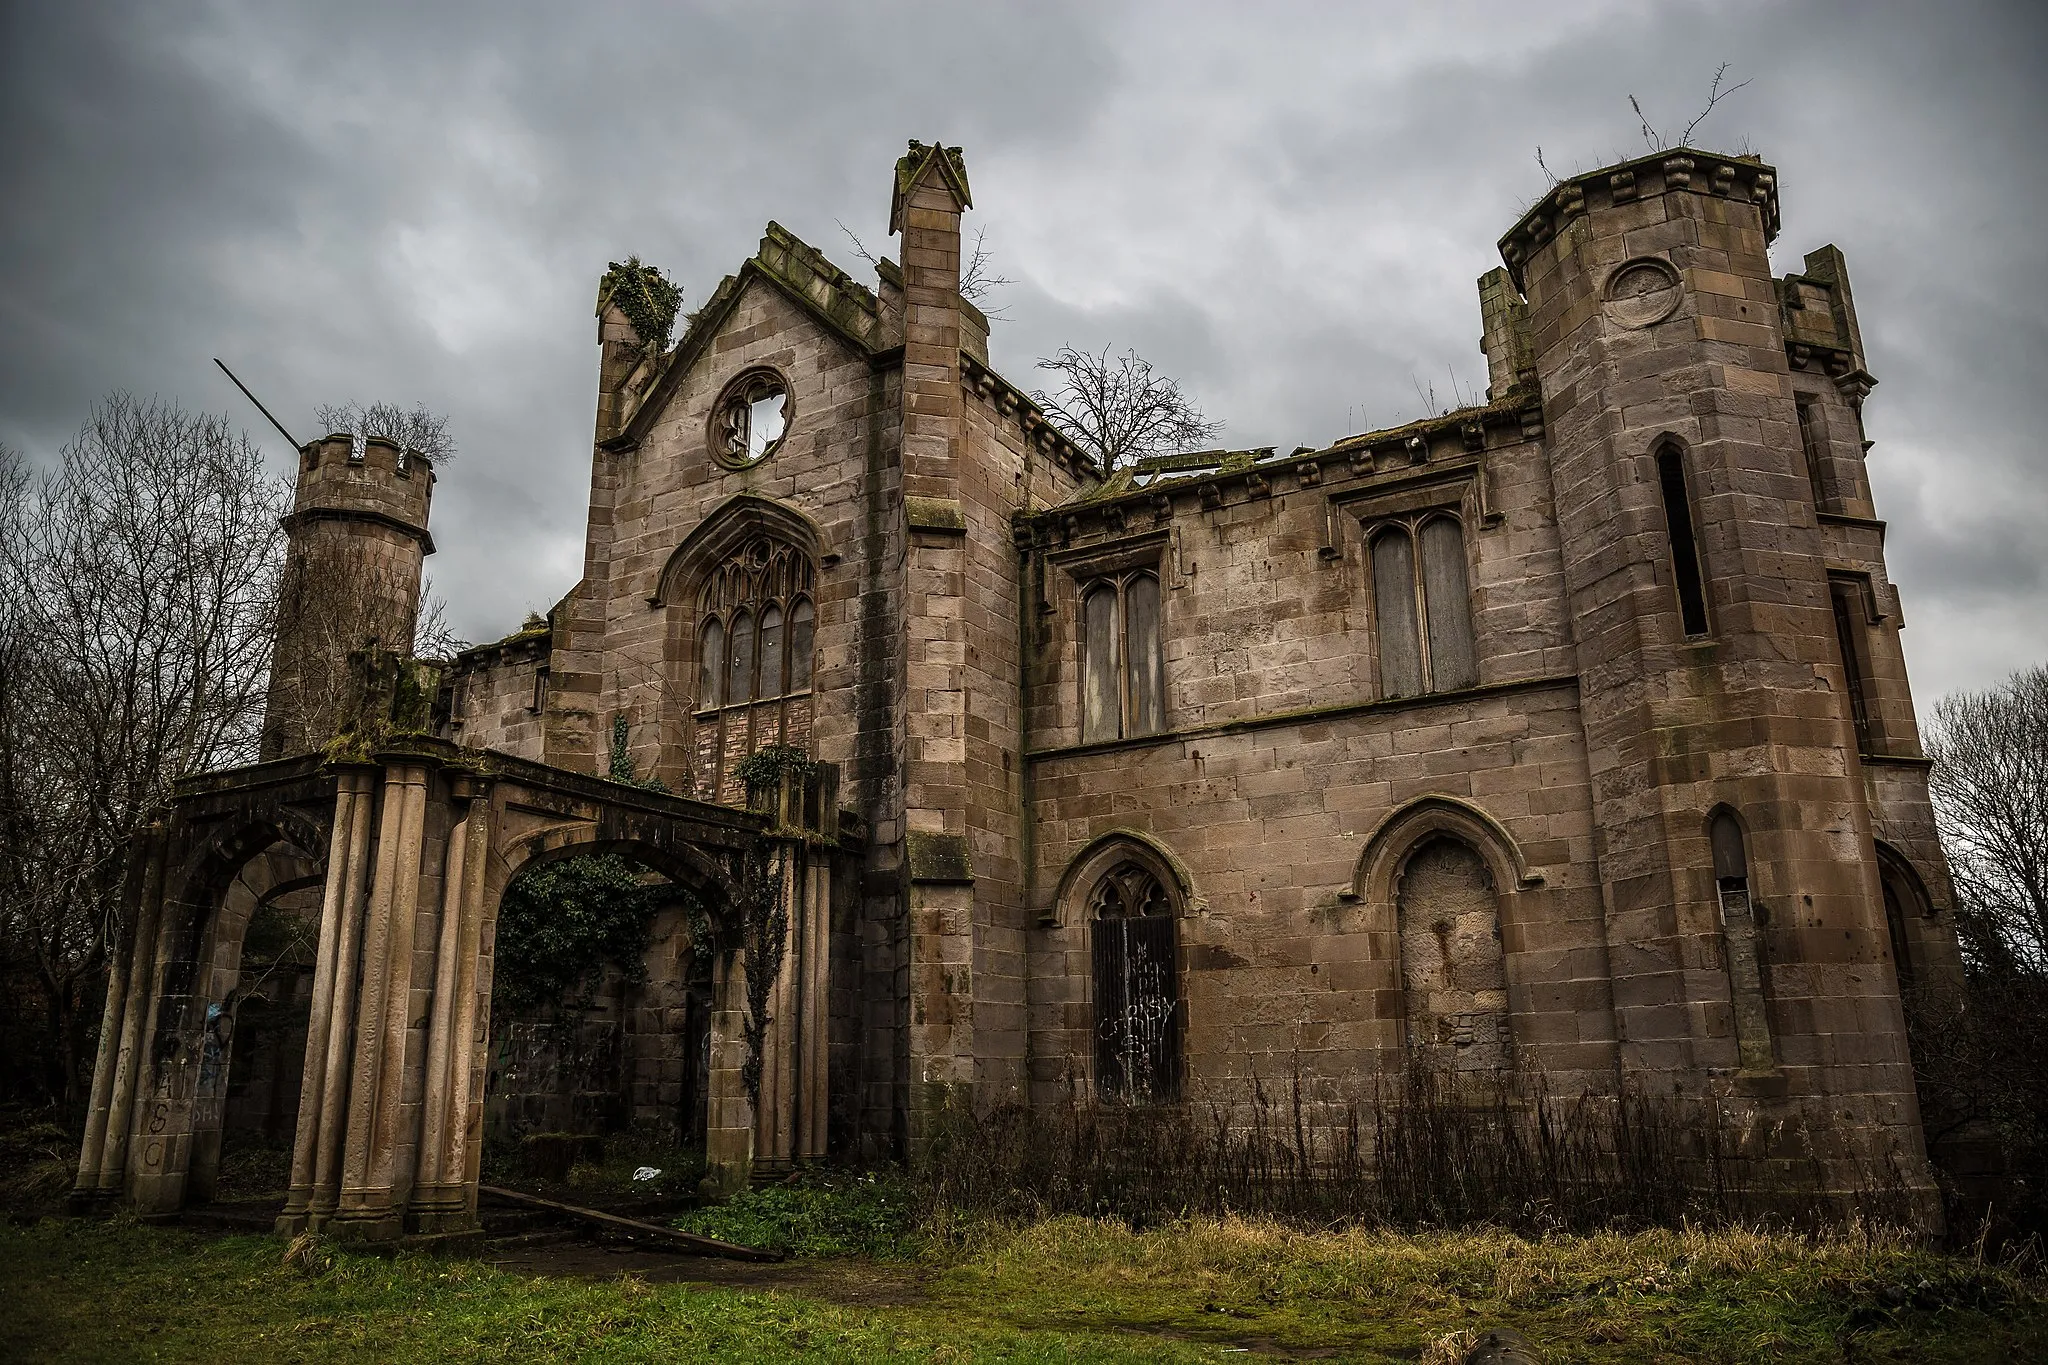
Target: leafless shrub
(1424, 1150)
(413, 429)
(1657, 141)
(1118, 409)
(138, 580)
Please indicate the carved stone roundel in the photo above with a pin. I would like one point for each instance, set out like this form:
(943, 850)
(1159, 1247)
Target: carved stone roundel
(1642, 292)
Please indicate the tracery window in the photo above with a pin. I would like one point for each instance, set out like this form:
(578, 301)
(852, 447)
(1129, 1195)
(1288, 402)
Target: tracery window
(1137, 998)
(1123, 684)
(1423, 606)
(756, 625)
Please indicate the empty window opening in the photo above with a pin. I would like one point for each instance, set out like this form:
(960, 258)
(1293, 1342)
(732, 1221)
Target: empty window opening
(1137, 1001)
(1123, 684)
(1424, 617)
(752, 418)
(1685, 555)
(1740, 940)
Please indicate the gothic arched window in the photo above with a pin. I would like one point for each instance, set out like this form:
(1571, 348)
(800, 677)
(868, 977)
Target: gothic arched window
(1423, 608)
(1137, 996)
(755, 628)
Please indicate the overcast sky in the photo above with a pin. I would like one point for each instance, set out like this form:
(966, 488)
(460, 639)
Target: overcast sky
(1284, 205)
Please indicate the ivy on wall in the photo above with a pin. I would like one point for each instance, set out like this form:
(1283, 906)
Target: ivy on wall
(560, 925)
(648, 299)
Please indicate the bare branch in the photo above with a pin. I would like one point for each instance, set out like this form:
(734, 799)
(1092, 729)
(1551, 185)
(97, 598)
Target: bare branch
(979, 279)
(1715, 94)
(1118, 409)
(414, 429)
(859, 247)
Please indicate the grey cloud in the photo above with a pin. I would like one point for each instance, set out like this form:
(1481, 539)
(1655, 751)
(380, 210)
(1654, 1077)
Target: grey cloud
(1286, 206)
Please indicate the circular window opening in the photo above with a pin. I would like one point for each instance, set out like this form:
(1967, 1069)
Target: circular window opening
(750, 420)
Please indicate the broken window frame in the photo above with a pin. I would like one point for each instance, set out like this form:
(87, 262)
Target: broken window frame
(734, 415)
(1428, 625)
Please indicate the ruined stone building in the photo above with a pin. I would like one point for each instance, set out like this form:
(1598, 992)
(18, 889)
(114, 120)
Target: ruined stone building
(1566, 735)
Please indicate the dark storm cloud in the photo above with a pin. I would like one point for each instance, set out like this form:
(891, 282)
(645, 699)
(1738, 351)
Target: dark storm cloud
(1285, 206)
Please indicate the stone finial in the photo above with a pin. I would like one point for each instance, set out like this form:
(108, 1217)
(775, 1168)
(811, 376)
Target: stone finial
(924, 160)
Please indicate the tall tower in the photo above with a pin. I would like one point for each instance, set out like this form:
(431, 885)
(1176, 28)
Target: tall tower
(1745, 917)
(358, 538)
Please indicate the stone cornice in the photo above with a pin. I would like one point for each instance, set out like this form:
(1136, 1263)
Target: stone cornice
(1689, 169)
(1309, 715)
(291, 521)
(1355, 465)
(1025, 416)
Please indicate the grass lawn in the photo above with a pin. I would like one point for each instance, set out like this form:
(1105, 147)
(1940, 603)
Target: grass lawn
(1064, 1289)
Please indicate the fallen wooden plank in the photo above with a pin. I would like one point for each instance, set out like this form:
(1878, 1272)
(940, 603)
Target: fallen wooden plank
(633, 1227)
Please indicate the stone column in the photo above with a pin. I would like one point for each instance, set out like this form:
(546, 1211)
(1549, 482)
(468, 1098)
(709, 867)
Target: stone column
(102, 1159)
(729, 1117)
(438, 1200)
(347, 846)
(337, 1038)
(369, 1152)
(817, 1004)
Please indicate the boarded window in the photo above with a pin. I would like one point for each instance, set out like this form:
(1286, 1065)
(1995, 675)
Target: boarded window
(1453, 971)
(1393, 591)
(1137, 1000)
(1123, 686)
(771, 651)
(1100, 703)
(739, 680)
(1144, 685)
(710, 664)
(800, 630)
(1685, 554)
(1447, 605)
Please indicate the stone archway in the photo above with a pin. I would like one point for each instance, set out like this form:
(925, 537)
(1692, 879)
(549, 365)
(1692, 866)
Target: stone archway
(419, 840)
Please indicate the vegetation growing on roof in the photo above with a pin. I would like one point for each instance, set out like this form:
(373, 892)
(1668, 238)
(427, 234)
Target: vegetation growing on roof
(647, 297)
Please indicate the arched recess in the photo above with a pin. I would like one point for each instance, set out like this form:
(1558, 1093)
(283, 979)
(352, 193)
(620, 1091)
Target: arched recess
(627, 1045)
(1907, 910)
(1442, 885)
(743, 612)
(1129, 895)
(210, 901)
(1104, 852)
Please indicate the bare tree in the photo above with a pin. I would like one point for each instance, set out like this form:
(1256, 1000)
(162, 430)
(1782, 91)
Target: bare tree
(1118, 409)
(414, 429)
(1990, 789)
(978, 278)
(137, 584)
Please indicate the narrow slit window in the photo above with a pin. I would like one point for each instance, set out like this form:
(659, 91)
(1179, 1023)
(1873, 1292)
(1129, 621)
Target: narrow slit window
(1849, 639)
(1685, 555)
(1739, 938)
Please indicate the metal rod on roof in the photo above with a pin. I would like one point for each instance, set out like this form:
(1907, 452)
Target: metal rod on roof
(258, 402)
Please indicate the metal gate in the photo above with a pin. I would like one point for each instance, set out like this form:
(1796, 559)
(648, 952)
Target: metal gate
(1137, 1009)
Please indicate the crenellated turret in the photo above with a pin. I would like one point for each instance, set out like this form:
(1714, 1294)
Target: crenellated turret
(358, 540)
